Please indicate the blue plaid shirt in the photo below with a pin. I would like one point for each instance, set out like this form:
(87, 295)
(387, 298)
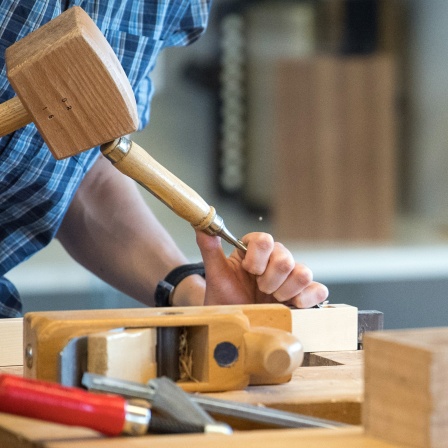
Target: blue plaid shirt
(35, 188)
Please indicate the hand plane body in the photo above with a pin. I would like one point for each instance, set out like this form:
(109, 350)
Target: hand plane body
(227, 347)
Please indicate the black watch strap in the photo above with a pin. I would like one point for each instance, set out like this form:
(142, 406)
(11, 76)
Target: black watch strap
(165, 288)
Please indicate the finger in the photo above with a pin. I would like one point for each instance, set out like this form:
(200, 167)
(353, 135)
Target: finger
(259, 249)
(312, 295)
(283, 275)
(297, 281)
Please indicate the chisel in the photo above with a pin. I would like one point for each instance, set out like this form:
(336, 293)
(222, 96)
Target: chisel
(135, 162)
(109, 414)
(243, 411)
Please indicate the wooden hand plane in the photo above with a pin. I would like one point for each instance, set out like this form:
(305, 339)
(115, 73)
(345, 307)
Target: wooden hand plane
(213, 348)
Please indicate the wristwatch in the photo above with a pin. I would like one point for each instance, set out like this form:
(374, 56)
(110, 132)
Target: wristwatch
(165, 288)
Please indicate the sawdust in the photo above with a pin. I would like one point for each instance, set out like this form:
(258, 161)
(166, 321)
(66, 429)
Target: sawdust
(185, 358)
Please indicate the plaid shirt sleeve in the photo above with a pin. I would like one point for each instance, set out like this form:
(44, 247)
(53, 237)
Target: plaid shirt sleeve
(35, 189)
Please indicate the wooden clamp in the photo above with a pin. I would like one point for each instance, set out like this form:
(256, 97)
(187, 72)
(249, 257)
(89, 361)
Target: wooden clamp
(230, 347)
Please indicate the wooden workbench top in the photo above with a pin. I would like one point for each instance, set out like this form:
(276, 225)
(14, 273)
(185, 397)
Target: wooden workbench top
(19, 432)
(331, 389)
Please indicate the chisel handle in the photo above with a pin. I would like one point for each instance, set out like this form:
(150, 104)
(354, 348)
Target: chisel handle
(135, 162)
(52, 402)
(13, 116)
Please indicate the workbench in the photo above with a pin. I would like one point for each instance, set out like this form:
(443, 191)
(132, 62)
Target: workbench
(330, 387)
(323, 389)
(399, 380)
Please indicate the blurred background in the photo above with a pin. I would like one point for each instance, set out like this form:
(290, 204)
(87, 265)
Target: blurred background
(322, 122)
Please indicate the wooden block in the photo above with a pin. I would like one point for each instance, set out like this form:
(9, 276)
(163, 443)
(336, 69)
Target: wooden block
(347, 357)
(12, 370)
(406, 386)
(125, 354)
(11, 341)
(330, 328)
(335, 149)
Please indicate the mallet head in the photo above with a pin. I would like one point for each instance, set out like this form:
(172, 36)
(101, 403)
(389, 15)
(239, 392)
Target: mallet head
(72, 84)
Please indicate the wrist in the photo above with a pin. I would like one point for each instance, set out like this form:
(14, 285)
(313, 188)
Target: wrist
(183, 286)
(189, 292)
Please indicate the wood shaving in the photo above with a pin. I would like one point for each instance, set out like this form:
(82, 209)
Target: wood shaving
(185, 358)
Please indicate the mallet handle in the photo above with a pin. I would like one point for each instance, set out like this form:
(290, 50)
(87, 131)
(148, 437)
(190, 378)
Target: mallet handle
(13, 116)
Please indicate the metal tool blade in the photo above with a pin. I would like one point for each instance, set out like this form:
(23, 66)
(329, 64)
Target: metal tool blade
(261, 414)
(165, 397)
(73, 362)
(244, 411)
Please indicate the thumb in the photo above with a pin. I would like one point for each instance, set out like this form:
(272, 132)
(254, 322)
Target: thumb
(213, 255)
(217, 271)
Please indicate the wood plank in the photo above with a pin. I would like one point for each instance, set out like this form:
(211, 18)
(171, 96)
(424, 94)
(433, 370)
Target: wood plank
(406, 386)
(18, 432)
(349, 358)
(126, 354)
(334, 327)
(11, 337)
(13, 370)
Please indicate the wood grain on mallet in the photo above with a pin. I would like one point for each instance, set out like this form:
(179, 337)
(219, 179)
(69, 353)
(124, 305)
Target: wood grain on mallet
(71, 84)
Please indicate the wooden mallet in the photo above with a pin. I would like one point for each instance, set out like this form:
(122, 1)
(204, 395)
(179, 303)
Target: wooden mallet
(70, 83)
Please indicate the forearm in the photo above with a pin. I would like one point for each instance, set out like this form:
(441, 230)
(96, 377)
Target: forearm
(110, 230)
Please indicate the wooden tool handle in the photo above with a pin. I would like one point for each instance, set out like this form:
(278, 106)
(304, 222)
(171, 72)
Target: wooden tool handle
(272, 352)
(13, 116)
(136, 163)
(54, 403)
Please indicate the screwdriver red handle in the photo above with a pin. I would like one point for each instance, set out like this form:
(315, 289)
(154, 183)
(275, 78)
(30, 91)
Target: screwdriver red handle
(59, 404)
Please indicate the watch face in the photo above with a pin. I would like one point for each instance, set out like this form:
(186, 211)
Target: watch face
(165, 288)
(163, 294)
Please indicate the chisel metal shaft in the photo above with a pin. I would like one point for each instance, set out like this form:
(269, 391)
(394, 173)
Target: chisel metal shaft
(243, 411)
